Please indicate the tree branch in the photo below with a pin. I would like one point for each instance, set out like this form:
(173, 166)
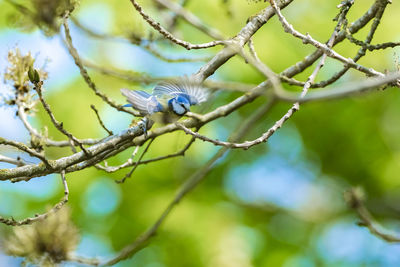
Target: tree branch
(353, 198)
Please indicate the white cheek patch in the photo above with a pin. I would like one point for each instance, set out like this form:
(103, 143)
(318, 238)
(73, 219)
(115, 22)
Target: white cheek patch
(178, 109)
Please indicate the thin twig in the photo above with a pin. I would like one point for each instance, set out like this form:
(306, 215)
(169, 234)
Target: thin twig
(129, 174)
(18, 161)
(39, 217)
(25, 148)
(168, 35)
(100, 121)
(153, 51)
(371, 47)
(58, 125)
(256, 62)
(354, 199)
(83, 260)
(351, 88)
(111, 169)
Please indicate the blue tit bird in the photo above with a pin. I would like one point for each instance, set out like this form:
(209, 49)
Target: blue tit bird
(169, 100)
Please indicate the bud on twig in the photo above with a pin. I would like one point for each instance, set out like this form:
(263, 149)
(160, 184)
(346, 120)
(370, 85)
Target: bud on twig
(33, 75)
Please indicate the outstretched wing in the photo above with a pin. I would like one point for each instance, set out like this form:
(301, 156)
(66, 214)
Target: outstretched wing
(193, 91)
(142, 101)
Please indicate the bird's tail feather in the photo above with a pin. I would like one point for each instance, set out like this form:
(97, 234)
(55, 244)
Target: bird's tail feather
(137, 99)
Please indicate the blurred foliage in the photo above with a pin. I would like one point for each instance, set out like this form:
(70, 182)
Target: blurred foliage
(277, 204)
(45, 14)
(44, 243)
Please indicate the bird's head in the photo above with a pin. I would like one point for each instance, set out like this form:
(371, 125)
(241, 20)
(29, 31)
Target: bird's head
(179, 105)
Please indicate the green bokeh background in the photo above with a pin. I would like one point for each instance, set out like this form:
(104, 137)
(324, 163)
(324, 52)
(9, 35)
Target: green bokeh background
(277, 204)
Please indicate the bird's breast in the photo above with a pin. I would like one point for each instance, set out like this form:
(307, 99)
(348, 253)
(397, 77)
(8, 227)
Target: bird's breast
(164, 117)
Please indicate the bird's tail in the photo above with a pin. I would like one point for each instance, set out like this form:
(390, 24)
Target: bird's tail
(137, 99)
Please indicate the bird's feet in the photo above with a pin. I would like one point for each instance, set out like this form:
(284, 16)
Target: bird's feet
(146, 124)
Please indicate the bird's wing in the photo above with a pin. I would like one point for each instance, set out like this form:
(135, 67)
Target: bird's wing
(154, 106)
(193, 91)
(164, 89)
(142, 101)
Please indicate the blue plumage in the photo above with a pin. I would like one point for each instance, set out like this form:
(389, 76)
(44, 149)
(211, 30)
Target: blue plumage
(142, 101)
